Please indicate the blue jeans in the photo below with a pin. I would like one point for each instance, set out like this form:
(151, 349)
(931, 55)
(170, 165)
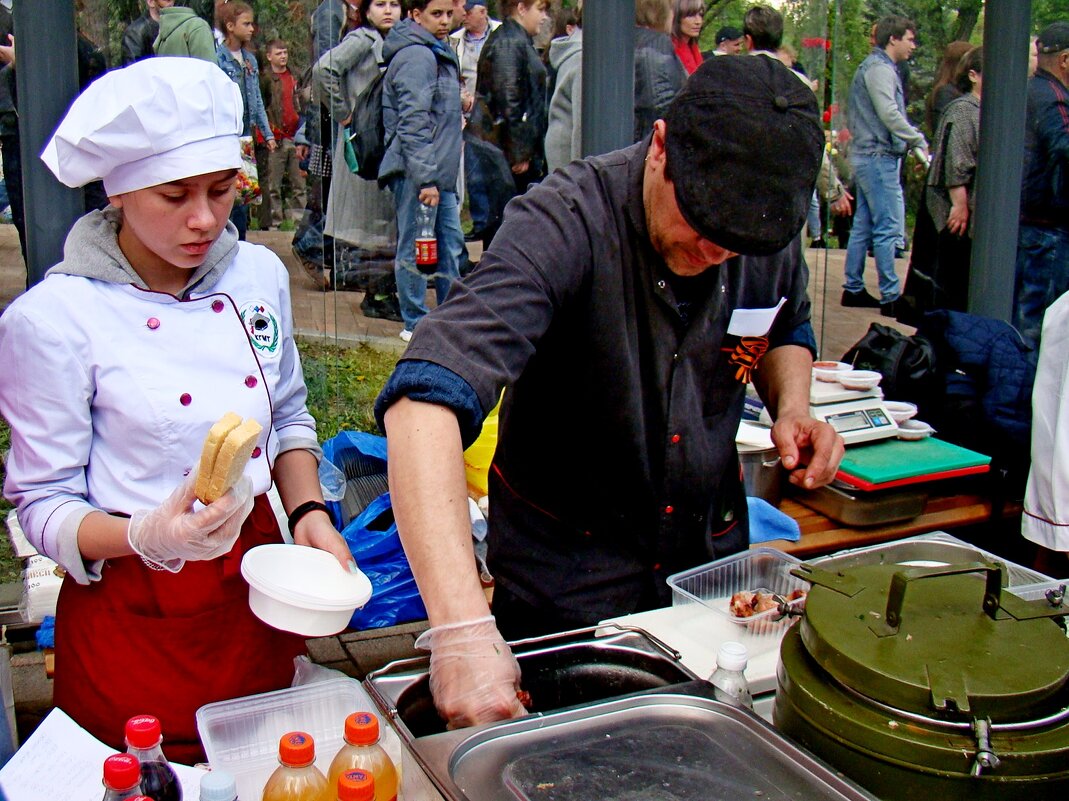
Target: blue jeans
(411, 283)
(877, 222)
(1042, 277)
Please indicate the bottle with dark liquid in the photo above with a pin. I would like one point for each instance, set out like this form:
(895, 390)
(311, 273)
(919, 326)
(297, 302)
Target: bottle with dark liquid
(144, 740)
(426, 240)
(122, 778)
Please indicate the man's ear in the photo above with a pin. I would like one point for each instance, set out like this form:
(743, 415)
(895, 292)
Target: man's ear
(656, 153)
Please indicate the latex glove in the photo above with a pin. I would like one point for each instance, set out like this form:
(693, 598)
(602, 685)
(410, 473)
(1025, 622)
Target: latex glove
(173, 533)
(474, 676)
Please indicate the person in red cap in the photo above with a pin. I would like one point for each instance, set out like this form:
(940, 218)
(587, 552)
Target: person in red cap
(626, 304)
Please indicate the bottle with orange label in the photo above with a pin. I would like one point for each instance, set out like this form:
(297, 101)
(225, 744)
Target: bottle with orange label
(362, 751)
(356, 785)
(297, 778)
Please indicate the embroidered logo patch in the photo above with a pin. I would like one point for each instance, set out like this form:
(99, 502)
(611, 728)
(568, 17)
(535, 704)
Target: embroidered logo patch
(262, 326)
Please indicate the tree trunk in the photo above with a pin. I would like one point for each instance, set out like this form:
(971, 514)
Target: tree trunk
(968, 15)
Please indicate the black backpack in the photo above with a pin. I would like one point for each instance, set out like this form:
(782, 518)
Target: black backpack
(366, 131)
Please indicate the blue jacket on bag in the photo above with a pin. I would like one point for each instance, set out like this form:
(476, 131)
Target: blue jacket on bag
(247, 78)
(420, 108)
(876, 114)
(1045, 183)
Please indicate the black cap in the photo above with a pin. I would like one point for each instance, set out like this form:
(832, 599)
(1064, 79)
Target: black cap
(743, 145)
(1053, 39)
(728, 34)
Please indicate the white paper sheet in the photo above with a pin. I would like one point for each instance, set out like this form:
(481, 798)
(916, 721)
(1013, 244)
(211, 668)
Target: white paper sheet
(63, 760)
(753, 435)
(753, 322)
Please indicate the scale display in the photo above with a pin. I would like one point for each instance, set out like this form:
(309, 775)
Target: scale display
(858, 420)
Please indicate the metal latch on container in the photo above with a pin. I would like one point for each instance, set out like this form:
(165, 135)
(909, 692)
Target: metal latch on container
(985, 759)
(837, 582)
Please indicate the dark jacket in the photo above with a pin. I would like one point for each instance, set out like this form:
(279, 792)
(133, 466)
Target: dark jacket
(1045, 182)
(659, 75)
(420, 108)
(512, 79)
(137, 39)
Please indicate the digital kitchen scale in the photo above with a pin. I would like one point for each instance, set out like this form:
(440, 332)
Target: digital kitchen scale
(857, 415)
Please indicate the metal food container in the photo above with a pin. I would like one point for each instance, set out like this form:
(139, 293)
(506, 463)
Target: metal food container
(616, 718)
(932, 681)
(854, 507)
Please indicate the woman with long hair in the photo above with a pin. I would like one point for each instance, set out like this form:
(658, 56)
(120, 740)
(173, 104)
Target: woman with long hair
(944, 87)
(688, 16)
(359, 213)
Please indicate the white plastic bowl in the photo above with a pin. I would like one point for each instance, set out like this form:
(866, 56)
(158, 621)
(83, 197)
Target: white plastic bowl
(302, 590)
(830, 371)
(901, 410)
(914, 430)
(859, 379)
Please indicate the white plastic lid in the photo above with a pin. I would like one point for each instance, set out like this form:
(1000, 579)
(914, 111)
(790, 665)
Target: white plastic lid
(732, 656)
(218, 785)
(305, 577)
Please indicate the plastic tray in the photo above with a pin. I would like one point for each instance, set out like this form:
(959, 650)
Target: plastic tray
(712, 585)
(241, 735)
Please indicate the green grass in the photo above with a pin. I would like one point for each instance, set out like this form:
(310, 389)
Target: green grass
(342, 386)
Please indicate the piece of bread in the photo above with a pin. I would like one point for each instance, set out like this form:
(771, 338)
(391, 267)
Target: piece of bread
(231, 454)
(210, 452)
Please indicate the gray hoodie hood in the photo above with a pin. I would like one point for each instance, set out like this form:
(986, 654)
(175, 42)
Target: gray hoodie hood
(565, 47)
(407, 32)
(92, 250)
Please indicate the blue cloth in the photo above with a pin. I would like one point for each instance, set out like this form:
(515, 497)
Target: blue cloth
(877, 222)
(46, 633)
(428, 382)
(1045, 179)
(1042, 277)
(769, 523)
(411, 283)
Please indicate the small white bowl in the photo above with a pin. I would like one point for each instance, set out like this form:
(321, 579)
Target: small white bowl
(914, 430)
(830, 371)
(302, 590)
(859, 379)
(900, 410)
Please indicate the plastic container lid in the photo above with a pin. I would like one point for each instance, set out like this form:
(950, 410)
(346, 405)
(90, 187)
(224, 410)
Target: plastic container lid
(303, 576)
(296, 749)
(356, 785)
(143, 731)
(218, 785)
(122, 772)
(732, 656)
(362, 728)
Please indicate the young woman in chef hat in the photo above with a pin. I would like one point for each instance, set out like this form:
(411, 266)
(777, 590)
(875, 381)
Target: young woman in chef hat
(156, 323)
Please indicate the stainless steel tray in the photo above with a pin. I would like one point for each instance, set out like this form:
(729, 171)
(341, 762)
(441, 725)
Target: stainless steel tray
(858, 508)
(663, 746)
(935, 548)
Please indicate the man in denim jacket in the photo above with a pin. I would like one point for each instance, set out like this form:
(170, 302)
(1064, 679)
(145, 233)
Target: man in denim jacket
(881, 134)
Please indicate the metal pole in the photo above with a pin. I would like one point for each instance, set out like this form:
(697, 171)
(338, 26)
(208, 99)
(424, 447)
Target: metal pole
(608, 75)
(998, 177)
(46, 76)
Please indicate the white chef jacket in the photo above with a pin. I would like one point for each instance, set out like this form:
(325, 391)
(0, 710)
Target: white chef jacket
(1046, 501)
(110, 390)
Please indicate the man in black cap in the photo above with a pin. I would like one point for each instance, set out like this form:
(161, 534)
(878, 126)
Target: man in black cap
(1043, 238)
(617, 310)
(728, 42)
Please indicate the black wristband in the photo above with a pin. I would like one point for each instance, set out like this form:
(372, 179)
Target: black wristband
(303, 509)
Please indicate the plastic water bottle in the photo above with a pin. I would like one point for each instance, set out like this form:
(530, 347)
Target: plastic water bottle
(362, 751)
(426, 241)
(122, 777)
(144, 740)
(296, 778)
(728, 680)
(218, 785)
(356, 785)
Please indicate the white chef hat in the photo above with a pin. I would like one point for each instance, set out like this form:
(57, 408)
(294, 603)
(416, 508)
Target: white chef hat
(158, 120)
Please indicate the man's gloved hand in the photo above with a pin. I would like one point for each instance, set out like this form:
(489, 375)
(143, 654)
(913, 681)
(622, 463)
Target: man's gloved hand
(474, 676)
(172, 533)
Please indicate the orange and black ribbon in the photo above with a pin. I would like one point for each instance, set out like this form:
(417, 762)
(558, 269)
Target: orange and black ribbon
(746, 355)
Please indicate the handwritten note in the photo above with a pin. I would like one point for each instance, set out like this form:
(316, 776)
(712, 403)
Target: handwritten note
(62, 760)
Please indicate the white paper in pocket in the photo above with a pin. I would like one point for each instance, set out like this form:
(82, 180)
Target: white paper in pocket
(753, 322)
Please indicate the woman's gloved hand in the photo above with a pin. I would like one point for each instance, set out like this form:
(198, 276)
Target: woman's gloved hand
(173, 533)
(474, 676)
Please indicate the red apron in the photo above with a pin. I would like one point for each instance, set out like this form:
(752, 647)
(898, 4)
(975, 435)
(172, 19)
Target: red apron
(142, 641)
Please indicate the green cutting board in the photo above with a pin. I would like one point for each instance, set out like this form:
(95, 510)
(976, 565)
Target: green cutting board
(896, 459)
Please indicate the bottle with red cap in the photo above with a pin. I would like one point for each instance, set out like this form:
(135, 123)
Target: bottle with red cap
(122, 777)
(356, 785)
(426, 239)
(362, 751)
(297, 778)
(144, 739)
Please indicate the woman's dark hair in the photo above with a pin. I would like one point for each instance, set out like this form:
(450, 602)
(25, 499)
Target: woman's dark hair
(948, 68)
(509, 6)
(684, 8)
(228, 12)
(971, 61)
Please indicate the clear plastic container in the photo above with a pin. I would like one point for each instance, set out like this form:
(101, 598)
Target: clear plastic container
(297, 778)
(729, 678)
(363, 752)
(764, 570)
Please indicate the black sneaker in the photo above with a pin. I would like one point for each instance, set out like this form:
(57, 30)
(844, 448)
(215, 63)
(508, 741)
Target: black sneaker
(859, 300)
(381, 308)
(889, 309)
